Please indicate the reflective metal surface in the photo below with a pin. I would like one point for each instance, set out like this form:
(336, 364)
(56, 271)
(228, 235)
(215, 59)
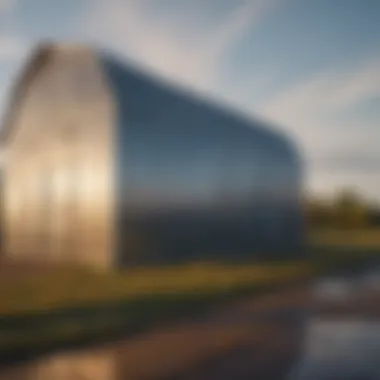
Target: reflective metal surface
(58, 183)
(100, 154)
(195, 181)
(342, 339)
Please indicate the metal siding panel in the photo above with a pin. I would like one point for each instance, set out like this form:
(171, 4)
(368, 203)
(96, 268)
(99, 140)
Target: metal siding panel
(163, 178)
(62, 140)
(195, 182)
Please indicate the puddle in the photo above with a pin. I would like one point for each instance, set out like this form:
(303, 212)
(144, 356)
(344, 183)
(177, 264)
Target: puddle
(340, 349)
(326, 347)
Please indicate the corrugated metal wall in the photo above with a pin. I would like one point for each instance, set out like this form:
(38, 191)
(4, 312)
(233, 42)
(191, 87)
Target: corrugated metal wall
(58, 176)
(106, 165)
(197, 182)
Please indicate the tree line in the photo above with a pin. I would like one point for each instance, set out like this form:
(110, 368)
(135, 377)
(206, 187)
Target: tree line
(347, 209)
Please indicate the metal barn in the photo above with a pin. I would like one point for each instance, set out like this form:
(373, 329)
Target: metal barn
(108, 165)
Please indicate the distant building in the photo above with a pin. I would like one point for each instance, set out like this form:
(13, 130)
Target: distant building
(106, 164)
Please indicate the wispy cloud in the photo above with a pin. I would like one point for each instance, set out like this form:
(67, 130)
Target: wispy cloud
(234, 25)
(327, 181)
(12, 47)
(7, 5)
(363, 162)
(326, 93)
(359, 86)
(337, 150)
(312, 108)
(163, 46)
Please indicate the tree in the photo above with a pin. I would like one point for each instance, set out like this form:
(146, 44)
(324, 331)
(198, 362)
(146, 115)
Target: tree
(350, 211)
(317, 213)
(347, 209)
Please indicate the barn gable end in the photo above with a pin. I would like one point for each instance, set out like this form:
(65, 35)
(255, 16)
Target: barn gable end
(58, 141)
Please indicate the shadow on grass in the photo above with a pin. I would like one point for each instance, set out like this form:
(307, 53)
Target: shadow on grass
(328, 260)
(25, 337)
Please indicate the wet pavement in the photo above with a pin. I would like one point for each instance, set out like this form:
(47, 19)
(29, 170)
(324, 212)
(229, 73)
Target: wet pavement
(329, 330)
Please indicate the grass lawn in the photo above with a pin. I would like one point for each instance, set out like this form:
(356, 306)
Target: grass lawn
(361, 238)
(66, 288)
(344, 251)
(70, 305)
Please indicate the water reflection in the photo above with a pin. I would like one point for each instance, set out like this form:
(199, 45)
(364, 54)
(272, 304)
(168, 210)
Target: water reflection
(82, 366)
(338, 349)
(92, 365)
(371, 280)
(337, 336)
(334, 289)
(342, 339)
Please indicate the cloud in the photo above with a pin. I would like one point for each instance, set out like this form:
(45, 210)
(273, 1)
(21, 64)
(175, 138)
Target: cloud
(313, 110)
(365, 162)
(191, 53)
(124, 27)
(234, 25)
(359, 86)
(12, 47)
(165, 47)
(325, 181)
(7, 5)
(339, 157)
(326, 93)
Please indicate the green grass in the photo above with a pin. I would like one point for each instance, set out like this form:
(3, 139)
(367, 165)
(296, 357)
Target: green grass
(89, 324)
(368, 238)
(67, 288)
(79, 305)
(76, 304)
(343, 250)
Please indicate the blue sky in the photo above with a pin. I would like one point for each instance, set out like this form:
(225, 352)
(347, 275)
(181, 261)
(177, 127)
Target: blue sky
(310, 66)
